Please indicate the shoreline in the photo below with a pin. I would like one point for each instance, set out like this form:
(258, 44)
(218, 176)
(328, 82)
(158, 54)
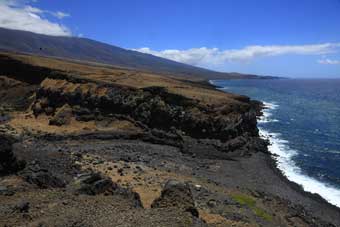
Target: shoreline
(300, 185)
(277, 142)
(278, 145)
(272, 163)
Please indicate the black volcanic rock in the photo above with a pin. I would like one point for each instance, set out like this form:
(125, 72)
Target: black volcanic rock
(93, 183)
(35, 174)
(154, 107)
(176, 194)
(8, 161)
(62, 116)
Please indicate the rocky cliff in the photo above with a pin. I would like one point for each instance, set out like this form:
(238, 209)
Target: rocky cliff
(150, 108)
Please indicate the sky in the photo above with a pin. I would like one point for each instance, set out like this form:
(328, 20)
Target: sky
(268, 37)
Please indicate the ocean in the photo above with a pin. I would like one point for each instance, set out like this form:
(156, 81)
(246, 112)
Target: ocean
(302, 122)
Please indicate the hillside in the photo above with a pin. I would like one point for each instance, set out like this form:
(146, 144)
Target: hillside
(89, 50)
(92, 145)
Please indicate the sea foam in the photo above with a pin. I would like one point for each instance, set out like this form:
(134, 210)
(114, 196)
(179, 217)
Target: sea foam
(267, 113)
(283, 156)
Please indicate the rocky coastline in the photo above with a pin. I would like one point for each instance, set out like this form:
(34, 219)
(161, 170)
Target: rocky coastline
(80, 150)
(272, 162)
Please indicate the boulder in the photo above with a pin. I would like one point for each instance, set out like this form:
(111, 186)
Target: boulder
(87, 183)
(35, 174)
(8, 161)
(94, 184)
(176, 194)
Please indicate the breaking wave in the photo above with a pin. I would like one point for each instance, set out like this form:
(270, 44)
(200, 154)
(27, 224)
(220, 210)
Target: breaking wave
(283, 155)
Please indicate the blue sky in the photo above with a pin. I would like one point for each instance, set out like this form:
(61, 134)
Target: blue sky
(270, 37)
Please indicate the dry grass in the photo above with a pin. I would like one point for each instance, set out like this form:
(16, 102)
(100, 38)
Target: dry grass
(129, 77)
(149, 182)
(27, 122)
(219, 221)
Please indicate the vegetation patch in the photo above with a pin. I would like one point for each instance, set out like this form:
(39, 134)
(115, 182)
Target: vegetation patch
(250, 202)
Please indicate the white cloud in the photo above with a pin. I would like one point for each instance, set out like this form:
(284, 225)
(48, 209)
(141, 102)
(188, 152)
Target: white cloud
(329, 62)
(213, 56)
(60, 15)
(31, 9)
(21, 16)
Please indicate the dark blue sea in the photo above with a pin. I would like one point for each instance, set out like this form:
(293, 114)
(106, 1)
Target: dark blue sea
(303, 124)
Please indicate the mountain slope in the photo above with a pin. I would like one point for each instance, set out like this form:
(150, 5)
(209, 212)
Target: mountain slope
(90, 50)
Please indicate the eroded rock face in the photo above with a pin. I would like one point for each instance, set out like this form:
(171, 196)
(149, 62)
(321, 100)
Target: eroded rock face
(8, 161)
(155, 107)
(176, 194)
(15, 94)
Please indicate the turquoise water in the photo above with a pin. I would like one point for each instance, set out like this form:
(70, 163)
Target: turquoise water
(303, 124)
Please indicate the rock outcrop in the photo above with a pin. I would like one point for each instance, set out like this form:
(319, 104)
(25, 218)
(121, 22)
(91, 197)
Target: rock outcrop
(154, 107)
(15, 94)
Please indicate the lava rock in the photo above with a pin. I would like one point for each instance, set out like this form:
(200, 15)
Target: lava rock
(62, 116)
(80, 111)
(91, 184)
(6, 191)
(37, 109)
(8, 161)
(49, 110)
(236, 143)
(94, 183)
(85, 118)
(22, 207)
(176, 194)
(154, 107)
(212, 203)
(35, 174)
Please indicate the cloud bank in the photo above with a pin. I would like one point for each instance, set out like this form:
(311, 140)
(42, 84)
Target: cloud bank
(213, 56)
(20, 15)
(329, 62)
